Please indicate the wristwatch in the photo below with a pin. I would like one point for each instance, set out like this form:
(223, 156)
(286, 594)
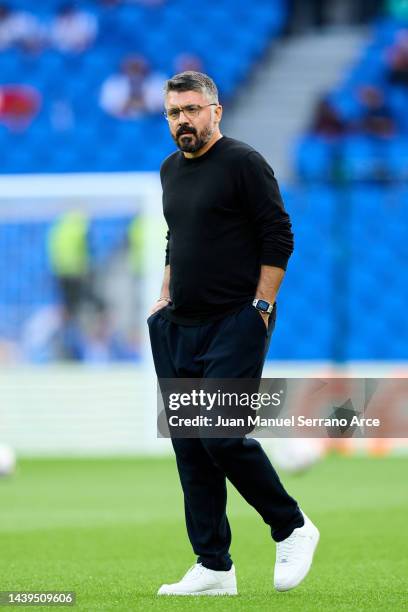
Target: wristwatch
(263, 306)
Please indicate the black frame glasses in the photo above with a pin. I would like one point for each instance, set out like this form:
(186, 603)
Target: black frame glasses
(189, 110)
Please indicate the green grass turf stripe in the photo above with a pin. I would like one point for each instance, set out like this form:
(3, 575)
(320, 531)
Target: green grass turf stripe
(113, 531)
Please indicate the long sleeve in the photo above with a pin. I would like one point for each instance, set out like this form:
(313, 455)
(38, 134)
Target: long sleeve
(266, 210)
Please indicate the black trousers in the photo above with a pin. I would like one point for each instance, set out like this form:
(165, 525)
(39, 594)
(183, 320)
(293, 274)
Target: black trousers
(233, 347)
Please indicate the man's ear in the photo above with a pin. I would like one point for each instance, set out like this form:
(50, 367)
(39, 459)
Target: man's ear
(218, 113)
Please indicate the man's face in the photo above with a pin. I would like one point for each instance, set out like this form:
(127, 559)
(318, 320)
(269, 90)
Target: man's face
(191, 133)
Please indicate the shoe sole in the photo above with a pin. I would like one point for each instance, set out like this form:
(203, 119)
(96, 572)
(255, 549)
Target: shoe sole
(210, 592)
(306, 571)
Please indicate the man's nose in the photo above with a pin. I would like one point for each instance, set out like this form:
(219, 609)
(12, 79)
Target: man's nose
(181, 111)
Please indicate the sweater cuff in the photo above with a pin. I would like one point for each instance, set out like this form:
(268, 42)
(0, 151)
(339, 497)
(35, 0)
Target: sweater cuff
(276, 259)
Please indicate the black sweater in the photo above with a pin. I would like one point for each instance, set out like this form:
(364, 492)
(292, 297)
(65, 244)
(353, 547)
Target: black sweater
(226, 218)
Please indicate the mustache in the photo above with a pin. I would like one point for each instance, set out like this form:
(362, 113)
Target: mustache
(184, 129)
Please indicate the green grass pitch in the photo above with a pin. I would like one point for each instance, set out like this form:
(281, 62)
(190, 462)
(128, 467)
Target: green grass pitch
(113, 531)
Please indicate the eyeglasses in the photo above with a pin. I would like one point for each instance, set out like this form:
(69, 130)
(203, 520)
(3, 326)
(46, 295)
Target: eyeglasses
(190, 111)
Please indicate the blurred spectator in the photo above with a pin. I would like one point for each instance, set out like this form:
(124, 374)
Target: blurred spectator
(398, 60)
(135, 238)
(377, 119)
(122, 94)
(69, 258)
(134, 91)
(153, 92)
(19, 104)
(5, 32)
(73, 30)
(20, 29)
(188, 61)
(326, 121)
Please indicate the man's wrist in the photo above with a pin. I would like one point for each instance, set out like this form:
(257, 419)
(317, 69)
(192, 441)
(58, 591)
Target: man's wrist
(164, 298)
(263, 305)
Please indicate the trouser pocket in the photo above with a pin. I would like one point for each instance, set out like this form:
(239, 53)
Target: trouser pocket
(256, 315)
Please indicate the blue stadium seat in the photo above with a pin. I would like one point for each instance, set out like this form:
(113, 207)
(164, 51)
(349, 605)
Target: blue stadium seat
(397, 158)
(229, 35)
(314, 158)
(363, 159)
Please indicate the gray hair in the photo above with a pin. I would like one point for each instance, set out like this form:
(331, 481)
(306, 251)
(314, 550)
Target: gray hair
(193, 81)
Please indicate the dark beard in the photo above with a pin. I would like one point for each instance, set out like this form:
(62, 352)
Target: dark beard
(190, 143)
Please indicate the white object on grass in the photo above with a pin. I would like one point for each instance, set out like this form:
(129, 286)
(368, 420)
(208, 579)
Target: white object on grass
(294, 454)
(7, 460)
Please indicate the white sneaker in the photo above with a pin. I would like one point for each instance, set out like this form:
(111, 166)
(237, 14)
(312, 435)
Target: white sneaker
(294, 556)
(200, 580)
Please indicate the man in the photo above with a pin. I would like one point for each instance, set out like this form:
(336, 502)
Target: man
(229, 241)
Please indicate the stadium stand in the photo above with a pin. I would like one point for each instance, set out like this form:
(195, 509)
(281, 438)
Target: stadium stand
(345, 297)
(368, 109)
(349, 230)
(353, 163)
(73, 129)
(64, 59)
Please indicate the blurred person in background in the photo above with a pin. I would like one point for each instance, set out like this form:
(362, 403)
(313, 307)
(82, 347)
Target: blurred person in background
(5, 31)
(135, 240)
(19, 105)
(132, 92)
(188, 61)
(326, 121)
(20, 29)
(377, 126)
(71, 265)
(229, 241)
(153, 92)
(69, 259)
(73, 30)
(377, 119)
(397, 60)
